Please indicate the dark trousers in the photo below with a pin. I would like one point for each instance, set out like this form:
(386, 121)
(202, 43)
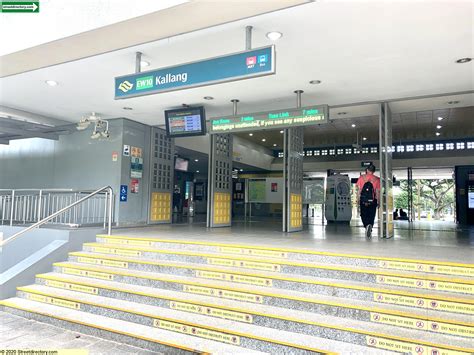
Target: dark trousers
(367, 214)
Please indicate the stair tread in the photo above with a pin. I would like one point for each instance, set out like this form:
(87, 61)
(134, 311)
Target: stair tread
(191, 297)
(296, 278)
(303, 263)
(270, 334)
(368, 251)
(367, 327)
(133, 329)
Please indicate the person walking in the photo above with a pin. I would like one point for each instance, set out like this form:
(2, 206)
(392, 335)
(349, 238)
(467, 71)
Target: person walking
(368, 196)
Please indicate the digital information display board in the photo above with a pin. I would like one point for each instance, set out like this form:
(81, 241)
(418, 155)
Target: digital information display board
(185, 122)
(470, 196)
(287, 118)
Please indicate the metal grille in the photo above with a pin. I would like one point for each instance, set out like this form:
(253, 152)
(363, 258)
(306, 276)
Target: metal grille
(220, 178)
(162, 163)
(293, 162)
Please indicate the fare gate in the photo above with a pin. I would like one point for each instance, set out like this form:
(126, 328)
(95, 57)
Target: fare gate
(162, 177)
(220, 181)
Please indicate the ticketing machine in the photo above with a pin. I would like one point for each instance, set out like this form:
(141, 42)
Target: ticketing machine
(338, 198)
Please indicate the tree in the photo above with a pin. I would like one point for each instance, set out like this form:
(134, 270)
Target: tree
(439, 192)
(434, 194)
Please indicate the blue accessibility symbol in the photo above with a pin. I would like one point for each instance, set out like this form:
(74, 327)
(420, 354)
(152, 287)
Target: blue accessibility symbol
(123, 193)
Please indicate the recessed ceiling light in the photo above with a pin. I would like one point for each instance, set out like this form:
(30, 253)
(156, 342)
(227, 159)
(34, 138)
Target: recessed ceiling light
(365, 138)
(440, 118)
(197, 171)
(452, 102)
(274, 35)
(264, 140)
(438, 134)
(463, 60)
(439, 127)
(127, 108)
(353, 125)
(196, 160)
(51, 82)
(314, 82)
(208, 98)
(144, 63)
(274, 144)
(250, 134)
(282, 132)
(342, 113)
(241, 169)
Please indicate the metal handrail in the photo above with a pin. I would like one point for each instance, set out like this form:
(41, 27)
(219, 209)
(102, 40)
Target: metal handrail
(109, 191)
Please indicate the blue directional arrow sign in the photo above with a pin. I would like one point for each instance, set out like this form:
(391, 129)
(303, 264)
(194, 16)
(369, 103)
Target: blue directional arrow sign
(123, 193)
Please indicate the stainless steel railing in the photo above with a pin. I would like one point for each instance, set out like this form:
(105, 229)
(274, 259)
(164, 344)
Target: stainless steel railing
(26, 206)
(107, 216)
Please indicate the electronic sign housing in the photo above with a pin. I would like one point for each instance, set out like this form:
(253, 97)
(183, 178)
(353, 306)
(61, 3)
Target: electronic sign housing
(185, 122)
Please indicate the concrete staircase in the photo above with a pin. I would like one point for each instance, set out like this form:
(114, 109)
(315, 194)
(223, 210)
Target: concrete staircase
(177, 296)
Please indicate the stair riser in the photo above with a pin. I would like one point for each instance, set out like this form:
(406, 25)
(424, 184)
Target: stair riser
(120, 338)
(248, 343)
(317, 289)
(292, 256)
(291, 271)
(347, 313)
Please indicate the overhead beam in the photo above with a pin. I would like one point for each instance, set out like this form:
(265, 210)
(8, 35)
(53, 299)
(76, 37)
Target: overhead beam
(28, 134)
(4, 141)
(201, 14)
(30, 117)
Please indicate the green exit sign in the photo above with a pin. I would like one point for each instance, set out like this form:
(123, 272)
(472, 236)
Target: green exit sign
(20, 6)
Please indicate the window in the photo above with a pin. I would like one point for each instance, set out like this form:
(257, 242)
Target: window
(400, 148)
(317, 152)
(374, 149)
(410, 148)
(365, 150)
(309, 153)
(332, 151)
(449, 146)
(340, 151)
(439, 146)
(470, 145)
(420, 147)
(348, 150)
(324, 152)
(429, 147)
(460, 145)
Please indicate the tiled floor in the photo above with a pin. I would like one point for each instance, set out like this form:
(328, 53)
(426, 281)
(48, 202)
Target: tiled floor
(20, 333)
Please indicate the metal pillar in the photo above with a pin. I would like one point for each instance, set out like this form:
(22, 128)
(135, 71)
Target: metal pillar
(293, 176)
(411, 212)
(138, 62)
(161, 177)
(248, 38)
(386, 177)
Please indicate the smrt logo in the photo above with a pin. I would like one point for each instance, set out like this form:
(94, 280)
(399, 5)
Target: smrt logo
(125, 86)
(251, 61)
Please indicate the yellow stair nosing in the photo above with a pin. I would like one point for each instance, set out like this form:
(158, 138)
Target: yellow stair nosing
(439, 297)
(7, 303)
(207, 267)
(269, 294)
(289, 250)
(224, 330)
(382, 272)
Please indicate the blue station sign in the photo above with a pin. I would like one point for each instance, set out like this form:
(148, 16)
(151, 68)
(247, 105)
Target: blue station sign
(237, 66)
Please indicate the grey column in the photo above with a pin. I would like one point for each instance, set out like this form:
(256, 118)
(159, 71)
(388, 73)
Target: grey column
(293, 176)
(386, 177)
(219, 201)
(161, 177)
